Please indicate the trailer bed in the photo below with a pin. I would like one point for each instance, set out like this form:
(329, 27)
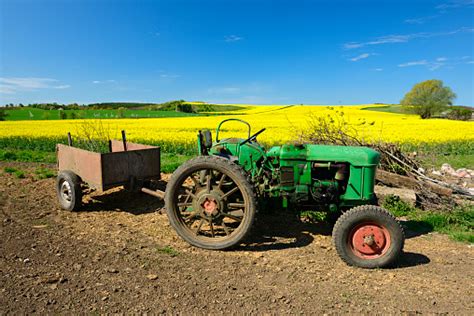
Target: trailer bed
(126, 163)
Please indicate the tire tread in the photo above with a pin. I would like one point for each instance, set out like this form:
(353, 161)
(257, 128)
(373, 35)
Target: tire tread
(375, 211)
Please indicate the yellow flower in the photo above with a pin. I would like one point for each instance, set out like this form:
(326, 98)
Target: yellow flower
(280, 122)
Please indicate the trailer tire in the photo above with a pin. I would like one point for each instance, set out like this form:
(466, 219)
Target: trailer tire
(369, 237)
(237, 179)
(68, 190)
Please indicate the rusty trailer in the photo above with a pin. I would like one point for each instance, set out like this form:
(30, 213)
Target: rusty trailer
(126, 164)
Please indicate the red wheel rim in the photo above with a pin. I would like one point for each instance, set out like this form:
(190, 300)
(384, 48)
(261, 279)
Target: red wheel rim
(369, 240)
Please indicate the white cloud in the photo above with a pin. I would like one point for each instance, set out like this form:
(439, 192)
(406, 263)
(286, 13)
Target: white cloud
(378, 69)
(415, 21)
(232, 38)
(64, 86)
(28, 83)
(440, 62)
(404, 38)
(434, 66)
(103, 81)
(421, 20)
(240, 91)
(5, 89)
(169, 76)
(13, 85)
(414, 63)
(224, 90)
(454, 4)
(431, 65)
(380, 40)
(361, 56)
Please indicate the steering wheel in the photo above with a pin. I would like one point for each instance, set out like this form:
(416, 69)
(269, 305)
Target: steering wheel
(253, 137)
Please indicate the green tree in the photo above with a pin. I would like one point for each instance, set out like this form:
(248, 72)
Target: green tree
(184, 107)
(121, 112)
(62, 115)
(459, 113)
(428, 98)
(3, 115)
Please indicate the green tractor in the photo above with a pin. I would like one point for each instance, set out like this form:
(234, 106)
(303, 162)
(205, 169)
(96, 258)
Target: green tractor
(212, 199)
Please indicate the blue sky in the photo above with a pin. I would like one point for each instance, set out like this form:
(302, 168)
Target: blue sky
(263, 52)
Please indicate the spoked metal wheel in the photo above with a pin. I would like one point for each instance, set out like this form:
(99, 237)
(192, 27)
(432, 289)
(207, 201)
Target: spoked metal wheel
(210, 203)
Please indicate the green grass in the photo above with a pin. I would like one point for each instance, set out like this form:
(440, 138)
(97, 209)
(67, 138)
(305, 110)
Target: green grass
(9, 170)
(27, 113)
(458, 224)
(456, 161)
(146, 111)
(27, 155)
(386, 108)
(44, 173)
(459, 154)
(20, 174)
(49, 145)
(170, 162)
(168, 250)
(40, 173)
(44, 150)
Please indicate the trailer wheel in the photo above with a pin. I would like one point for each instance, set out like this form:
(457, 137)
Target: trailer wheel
(68, 189)
(216, 213)
(368, 236)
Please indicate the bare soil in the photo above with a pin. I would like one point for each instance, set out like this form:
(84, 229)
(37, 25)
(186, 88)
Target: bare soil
(119, 254)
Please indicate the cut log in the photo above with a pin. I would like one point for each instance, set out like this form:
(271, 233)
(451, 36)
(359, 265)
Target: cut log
(398, 181)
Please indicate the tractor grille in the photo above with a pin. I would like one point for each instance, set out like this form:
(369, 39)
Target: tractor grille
(287, 176)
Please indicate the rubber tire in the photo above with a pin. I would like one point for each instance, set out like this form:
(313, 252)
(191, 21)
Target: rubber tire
(232, 170)
(368, 213)
(76, 191)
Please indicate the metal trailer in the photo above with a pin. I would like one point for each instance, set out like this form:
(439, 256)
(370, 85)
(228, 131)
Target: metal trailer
(126, 164)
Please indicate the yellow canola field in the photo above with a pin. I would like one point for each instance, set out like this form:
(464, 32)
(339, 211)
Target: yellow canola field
(281, 122)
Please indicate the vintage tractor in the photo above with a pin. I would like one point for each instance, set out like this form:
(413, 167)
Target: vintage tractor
(212, 199)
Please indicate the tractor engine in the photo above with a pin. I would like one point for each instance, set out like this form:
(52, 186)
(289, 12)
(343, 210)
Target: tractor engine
(327, 181)
(324, 176)
(315, 183)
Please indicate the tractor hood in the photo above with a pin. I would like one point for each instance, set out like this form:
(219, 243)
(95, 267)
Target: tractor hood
(357, 156)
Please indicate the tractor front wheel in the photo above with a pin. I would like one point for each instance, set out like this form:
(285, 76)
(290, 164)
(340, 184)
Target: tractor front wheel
(368, 236)
(210, 203)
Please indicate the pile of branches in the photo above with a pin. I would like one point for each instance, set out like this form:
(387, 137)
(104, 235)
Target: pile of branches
(399, 169)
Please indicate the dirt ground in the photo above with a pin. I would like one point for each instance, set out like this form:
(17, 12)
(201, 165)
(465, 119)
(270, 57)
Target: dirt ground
(119, 254)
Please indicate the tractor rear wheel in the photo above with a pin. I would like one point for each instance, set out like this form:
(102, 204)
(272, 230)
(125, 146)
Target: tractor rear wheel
(68, 190)
(210, 203)
(368, 236)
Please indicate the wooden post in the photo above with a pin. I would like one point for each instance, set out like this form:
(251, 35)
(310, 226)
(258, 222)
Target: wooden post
(69, 139)
(124, 140)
